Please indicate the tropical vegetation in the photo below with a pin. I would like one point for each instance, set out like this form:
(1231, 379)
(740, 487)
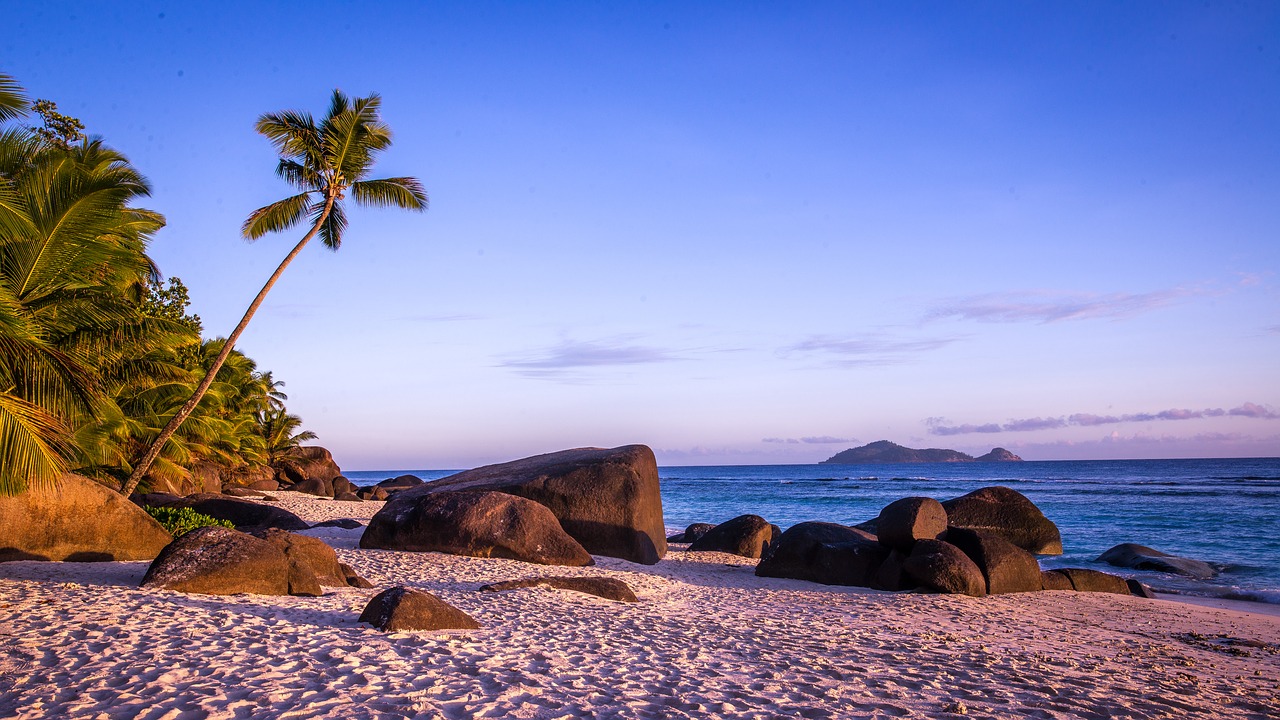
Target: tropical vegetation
(182, 520)
(97, 353)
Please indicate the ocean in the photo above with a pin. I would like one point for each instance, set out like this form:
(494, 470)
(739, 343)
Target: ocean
(1225, 512)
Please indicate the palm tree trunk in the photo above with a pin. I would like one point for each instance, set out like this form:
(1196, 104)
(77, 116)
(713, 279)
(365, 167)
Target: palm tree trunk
(153, 452)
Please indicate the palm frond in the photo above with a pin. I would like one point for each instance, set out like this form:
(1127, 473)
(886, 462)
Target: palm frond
(401, 192)
(33, 446)
(13, 101)
(293, 133)
(279, 215)
(333, 226)
(299, 175)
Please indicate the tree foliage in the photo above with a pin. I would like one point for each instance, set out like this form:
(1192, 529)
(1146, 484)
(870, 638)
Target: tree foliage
(96, 352)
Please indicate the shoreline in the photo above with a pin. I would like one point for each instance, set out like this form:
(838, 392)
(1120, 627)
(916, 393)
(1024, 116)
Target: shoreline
(707, 639)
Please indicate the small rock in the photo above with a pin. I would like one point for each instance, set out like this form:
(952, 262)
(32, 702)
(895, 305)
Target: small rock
(401, 608)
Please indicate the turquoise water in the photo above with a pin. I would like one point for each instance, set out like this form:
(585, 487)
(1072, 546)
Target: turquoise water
(1225, 512)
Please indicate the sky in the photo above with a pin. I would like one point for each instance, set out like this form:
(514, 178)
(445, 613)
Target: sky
(736, 232)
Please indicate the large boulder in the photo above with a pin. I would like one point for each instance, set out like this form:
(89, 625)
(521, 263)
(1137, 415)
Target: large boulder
(246, 515)
(221, 561)
(1006, 567)
(903, 522)
(1009, 514)
(307, 463)
(1141, 557)
(605, 587)
(400, 608)
(745, 535)
(478, 523)
(943, 567)
(310, 559)
(825, 553)
(608, 500)
(79, 520)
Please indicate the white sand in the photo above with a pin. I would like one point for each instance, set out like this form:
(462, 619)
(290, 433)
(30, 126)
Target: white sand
(707, 639)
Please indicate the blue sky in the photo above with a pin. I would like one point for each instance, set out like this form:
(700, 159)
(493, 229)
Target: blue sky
(736, 232)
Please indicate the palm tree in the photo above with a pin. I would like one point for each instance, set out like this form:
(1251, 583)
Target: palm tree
(323, 161)
(280, 433)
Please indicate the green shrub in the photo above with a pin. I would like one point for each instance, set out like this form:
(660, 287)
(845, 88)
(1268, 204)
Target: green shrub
(183, 519)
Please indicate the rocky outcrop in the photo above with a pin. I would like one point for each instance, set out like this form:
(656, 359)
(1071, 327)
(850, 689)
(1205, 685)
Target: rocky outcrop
(883, 451)
(605, 587)
(307, 463)
(608, 500)
(691, 533)
(77, 520)
(221, 561)
(313, 486)
(1009, 514)
(478, 523)
(903, 522)
(825, 553)
(943, 567)
(372, 493)
(1141, 557)
(745, 535)
(1006, 567)
(400, 608)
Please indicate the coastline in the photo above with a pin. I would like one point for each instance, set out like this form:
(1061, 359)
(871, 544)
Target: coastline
(707, 639)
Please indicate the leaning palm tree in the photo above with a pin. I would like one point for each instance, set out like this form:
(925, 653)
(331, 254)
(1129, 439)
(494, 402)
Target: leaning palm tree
(323, 161)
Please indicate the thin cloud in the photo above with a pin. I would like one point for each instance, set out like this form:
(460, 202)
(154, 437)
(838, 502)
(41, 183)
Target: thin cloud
(1044, 308)
(554, 363)
(1252, 410)
(940, 426)
(870, 349)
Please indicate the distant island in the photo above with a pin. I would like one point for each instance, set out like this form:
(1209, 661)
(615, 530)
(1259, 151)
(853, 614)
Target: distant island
(883, 451)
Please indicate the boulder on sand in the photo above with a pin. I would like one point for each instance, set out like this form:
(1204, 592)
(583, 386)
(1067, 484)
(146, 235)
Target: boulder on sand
(221, 561)
(477, 523)
(1055, 580)
(745, 535)
(943, 567)
(1009, 514)
(825, 553)
(400, 608)
(400, 482)
(605, 587)
(608, 500)
(77, 520)
(1006, 567)
(903, 522)
(1141, 557)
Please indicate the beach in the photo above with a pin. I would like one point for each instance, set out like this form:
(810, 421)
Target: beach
(707, 639)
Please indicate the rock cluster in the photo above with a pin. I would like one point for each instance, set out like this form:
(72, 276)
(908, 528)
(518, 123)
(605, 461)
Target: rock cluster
(976, 545)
